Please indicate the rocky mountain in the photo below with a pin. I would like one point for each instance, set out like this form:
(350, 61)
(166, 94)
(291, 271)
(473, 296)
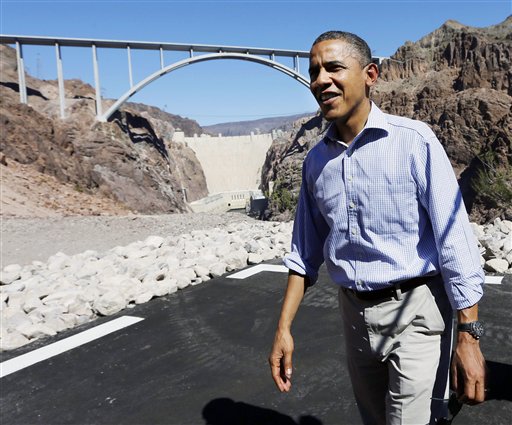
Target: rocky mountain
(130, 161)
(188, 126)
(458, 79)
(264, 125)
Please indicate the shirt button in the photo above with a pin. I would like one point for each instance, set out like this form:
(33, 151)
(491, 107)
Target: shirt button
(352, 205)
(349, 178)
(353, 231)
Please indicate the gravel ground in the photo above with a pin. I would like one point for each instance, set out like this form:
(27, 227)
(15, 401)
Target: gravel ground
(24, 240)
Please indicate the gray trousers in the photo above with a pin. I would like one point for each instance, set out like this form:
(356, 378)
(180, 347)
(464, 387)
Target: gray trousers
(398, 353)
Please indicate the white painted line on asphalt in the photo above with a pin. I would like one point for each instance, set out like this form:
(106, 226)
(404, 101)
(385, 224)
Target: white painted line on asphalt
(258, 269)
(43, 353)
(493, 280)
(251, 271)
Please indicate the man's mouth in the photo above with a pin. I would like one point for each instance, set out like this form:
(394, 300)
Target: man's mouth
(325, 97)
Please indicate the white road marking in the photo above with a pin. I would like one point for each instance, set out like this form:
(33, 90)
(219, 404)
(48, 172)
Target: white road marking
(258, 269)
(489, 280)
(43, 353)
(493, 280)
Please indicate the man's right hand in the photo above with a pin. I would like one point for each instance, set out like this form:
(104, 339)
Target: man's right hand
(280, 360)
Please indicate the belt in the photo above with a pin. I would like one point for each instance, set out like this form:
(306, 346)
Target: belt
(394, 291)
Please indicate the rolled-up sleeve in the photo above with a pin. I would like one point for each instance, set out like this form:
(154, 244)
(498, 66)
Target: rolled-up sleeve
(459, 259)
(310, 231)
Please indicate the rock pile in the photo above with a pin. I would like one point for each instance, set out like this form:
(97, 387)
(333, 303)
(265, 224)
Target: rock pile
(495, 243)
(42, 299)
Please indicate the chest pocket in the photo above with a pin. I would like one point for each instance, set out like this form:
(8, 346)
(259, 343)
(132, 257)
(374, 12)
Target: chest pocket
(390, 208)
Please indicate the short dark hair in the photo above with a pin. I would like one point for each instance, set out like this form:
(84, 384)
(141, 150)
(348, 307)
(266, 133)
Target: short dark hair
(361, 48)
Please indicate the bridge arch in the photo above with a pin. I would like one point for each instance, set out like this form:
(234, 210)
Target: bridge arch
(196, 59)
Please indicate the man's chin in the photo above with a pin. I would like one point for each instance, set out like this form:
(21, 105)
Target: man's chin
(329, 115)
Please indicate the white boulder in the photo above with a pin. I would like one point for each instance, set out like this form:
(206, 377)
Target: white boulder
(497, 265)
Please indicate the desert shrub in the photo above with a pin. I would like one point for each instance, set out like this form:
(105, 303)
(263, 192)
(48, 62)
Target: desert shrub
(282, 198)
(494, 180)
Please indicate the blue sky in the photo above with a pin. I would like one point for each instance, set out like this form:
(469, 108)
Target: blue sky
(220, 91)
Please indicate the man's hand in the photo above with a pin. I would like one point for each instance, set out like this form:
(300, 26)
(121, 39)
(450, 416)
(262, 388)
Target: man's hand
(468, 370)
(280, 360)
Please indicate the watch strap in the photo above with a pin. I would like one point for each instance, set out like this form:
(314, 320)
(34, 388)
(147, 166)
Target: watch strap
(475, 329)
(465, 327)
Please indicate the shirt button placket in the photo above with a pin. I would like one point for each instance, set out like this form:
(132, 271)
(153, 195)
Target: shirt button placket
(352, 211)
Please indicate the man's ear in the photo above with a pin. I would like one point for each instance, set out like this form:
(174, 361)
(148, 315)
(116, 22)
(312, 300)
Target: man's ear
(372, 73)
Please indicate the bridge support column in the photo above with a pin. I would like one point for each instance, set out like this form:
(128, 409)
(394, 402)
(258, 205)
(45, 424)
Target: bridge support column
(161, 58)
(99, 111)
(60, 77)
(21, 73)
(130, 74)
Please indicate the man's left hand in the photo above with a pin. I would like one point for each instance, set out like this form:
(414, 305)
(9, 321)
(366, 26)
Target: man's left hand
(468, 370)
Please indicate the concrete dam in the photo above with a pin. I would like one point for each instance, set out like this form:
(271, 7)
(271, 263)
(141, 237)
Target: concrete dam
(231, 165)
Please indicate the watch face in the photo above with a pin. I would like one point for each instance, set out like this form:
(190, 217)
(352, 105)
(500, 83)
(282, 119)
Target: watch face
(477, 329)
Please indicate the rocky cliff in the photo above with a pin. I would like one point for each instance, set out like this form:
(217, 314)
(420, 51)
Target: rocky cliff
(458, 79)
(130, 160)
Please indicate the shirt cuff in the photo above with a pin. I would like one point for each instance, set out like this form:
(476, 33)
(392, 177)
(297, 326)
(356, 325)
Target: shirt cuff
(295, 263)
(463, 295)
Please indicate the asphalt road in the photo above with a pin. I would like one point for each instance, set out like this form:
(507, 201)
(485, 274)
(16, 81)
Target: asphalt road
(199, 356)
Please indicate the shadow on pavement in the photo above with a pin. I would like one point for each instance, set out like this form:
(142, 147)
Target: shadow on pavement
(224, 411)
(500, 375)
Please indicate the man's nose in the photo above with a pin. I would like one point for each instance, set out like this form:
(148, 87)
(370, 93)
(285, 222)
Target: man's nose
(323, 78)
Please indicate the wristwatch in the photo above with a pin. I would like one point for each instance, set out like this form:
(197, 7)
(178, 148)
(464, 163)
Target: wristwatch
(475, 329)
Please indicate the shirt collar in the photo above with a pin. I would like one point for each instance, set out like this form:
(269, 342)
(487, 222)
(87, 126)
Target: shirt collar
(376, 120)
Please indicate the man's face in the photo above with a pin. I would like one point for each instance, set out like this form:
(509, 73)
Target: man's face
(338, 81)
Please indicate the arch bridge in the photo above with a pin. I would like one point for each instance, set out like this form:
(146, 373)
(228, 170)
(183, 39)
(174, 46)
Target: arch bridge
(196, 53)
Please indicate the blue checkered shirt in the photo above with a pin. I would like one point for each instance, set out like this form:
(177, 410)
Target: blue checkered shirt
(383, 209)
